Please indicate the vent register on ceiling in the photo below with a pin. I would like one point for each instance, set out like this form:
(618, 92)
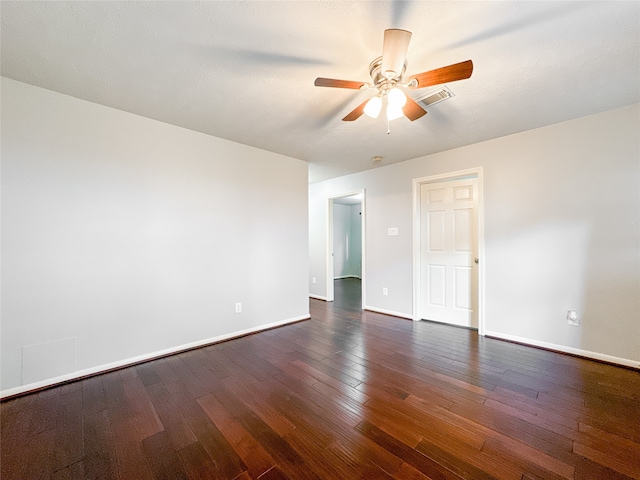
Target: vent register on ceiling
(387, 73)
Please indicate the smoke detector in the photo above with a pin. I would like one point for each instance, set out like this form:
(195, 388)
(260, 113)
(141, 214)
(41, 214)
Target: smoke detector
(433, 97)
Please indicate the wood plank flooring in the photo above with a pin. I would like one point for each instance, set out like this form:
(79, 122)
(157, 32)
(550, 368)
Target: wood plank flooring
(345, 395)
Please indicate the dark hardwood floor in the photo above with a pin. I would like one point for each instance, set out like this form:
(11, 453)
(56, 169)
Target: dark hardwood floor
(348, 394)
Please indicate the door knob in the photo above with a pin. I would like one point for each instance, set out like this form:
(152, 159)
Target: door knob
(476, 260)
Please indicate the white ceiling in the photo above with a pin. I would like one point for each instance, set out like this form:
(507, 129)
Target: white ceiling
(244, 71)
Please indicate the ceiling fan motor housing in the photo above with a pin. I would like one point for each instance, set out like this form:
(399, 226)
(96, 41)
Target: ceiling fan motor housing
(379, 79)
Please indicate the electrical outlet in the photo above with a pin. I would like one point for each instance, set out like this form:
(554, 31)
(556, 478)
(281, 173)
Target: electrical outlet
(313, 280)
(572, 318)
(238, 307)
(385, 291)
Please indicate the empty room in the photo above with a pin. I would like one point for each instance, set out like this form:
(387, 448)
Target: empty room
(320, 240)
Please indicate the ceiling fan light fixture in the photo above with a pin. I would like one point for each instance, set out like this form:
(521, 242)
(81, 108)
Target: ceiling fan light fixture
(396, 97)
(393, 112)
(373, 107)
(387, 73)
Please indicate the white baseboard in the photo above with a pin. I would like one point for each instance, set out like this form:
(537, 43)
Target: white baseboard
(142, 358)
(564, 349)
(389, 312)
(318, 297)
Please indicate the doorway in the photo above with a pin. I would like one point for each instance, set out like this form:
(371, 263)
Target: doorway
(346, 241)
(448, 246)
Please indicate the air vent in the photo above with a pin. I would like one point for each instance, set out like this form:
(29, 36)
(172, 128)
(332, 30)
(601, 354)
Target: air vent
(431, 98)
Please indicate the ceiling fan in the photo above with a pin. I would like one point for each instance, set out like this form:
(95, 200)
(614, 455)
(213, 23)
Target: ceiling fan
(387, 74)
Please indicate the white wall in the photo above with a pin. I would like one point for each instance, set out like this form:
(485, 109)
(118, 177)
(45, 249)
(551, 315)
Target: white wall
(355, 241)
(562, 231)
(347, 240)
(341, 231)
(123, 237)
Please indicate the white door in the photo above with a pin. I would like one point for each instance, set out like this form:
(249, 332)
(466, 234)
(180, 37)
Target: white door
(448, 252)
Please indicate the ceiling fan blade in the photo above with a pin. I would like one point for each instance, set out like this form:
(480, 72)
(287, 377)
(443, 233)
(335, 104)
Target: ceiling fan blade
(330, 82)
(394, 51)
(457, 71)
(356, 113)
(412, 110)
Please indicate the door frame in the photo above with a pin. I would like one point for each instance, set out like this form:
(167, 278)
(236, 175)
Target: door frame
(329, 252)
(417, 283)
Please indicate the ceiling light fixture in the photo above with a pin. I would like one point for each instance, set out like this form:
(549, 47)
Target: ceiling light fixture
(396, 97)
(395, 100)
(373, 107)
